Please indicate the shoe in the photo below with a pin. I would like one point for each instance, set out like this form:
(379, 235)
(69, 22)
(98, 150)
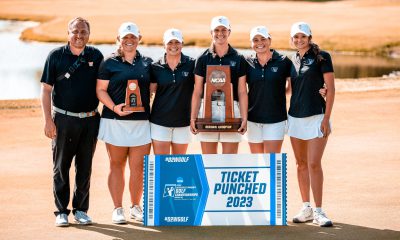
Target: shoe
(305, 215)
(322, 220)
(62, 220)
(136, 213)
(82, 218)
(118, 216)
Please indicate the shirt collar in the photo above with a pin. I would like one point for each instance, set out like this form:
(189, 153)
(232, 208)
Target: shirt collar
(163, 59)
(67, 50)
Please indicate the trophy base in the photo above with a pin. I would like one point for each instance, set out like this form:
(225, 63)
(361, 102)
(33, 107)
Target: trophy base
(133, 109)
(230, 125)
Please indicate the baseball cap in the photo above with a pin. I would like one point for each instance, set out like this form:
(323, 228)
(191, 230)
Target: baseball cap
(259, 30)
(220, 21)
(172, 33)
(300, 27)
(128, 28)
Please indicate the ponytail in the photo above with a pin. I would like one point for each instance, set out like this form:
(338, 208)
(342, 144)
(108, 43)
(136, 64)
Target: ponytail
(317, 51)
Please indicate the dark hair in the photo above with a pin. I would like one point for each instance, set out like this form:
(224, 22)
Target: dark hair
(317, 51)
(78, 20)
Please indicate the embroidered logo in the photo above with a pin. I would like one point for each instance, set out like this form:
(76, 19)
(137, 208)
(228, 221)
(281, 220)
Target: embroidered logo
(145, 64)
(309, 61)
(185, 74)
(274, 69)
(233, 63)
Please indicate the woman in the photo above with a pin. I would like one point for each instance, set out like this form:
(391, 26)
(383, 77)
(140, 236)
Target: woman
(309, 119)
(220, 53)
(267, 74)
(126, 134)
(172, 81)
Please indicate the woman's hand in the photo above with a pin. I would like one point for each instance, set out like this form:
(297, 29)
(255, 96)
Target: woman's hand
(243, 127)
(325, 128)
(193, 128)
(118, 109)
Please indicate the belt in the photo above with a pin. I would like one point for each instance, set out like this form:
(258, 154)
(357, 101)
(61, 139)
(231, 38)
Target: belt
(72, 114)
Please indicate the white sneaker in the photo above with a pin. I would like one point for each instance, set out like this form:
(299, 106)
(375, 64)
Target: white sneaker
(136, 213)
(322, 220)
(305, 215)
(62, 220)
(118, 216)
(82, 218)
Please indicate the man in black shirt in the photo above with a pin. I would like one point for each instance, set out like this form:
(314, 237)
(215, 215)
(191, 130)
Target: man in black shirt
(69, 89)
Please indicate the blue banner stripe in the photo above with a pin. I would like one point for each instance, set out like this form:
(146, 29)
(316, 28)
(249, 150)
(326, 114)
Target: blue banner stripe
(284, 181)
(273, 187)
(204, 189)
(157, 179)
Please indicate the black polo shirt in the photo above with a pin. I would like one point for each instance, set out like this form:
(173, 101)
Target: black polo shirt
(78, 92)
(267, 88)
(118, 72)
(171, 106)
(232, 58)
(306, 80)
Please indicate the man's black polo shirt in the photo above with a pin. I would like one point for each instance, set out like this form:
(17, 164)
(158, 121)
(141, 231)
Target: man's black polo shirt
(171, 107)
(232, 58)
(118, 72)
(267, 86)
(306, 80)
(78, 92)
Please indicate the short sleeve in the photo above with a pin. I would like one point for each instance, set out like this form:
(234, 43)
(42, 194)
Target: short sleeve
(104, 72)
(49, 70)
(242, 66)
(326, 63)
(200, 66)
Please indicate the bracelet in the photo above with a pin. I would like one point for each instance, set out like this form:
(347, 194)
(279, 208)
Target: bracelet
(113, 108)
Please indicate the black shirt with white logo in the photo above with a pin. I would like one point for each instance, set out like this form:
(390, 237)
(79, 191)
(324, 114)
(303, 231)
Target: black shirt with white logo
(267, 86)
(73, 91)
(171, 106)
(306, 80)
(232, 58)
(118, 72)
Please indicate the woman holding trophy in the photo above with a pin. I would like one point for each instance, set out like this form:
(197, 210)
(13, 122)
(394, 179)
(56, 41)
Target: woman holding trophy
(123, 86)
(221, 54)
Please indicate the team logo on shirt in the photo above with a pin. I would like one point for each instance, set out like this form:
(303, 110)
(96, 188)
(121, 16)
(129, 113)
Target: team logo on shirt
(185, 74)
(233, 63)
(274, 69)
(309, 61)
(145, 64)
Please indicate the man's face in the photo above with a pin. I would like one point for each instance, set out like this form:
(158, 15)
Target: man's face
(78, 35)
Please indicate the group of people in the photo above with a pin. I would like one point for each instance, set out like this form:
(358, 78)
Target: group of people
(76, 77)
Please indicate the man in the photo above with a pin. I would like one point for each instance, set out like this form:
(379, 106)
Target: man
(69, 105)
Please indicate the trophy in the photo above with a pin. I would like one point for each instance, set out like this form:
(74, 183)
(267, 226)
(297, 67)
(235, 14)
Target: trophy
(133, 102)
(218, 88)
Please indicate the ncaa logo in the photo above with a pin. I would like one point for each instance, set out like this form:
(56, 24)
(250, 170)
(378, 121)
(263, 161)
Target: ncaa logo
(274, 69)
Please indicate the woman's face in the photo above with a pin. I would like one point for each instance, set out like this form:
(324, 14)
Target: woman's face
(173, 47)
(220, 35)
(260, 44)
(129, 43)
(301, 41)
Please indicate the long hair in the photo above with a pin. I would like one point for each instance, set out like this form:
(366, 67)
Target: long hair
(317, 51)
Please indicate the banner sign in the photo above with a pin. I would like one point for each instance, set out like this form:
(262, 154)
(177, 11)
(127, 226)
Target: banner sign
(215, 189)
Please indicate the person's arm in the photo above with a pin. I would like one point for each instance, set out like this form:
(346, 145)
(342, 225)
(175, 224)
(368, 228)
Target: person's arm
(102, 95)
(329, 80)
(45, 96)
(243, 103)
(196, 97)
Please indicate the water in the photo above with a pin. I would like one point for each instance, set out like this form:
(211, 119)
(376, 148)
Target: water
(21, 63)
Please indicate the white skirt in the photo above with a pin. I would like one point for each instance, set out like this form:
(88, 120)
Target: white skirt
(306, 128)
(124, 133)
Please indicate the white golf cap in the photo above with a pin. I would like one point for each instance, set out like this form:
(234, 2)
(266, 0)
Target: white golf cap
(220, 21)
(259, 30)
(171, 34)
(300, 27)
(128, 28)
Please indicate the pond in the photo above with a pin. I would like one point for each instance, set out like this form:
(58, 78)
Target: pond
(21, 63)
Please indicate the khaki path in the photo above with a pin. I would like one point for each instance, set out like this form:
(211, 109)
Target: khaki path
(361, 181)
(349, 25)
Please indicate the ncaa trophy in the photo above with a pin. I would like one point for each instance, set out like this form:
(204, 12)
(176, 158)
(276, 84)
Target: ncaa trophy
(218, 87)
(133, 101)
